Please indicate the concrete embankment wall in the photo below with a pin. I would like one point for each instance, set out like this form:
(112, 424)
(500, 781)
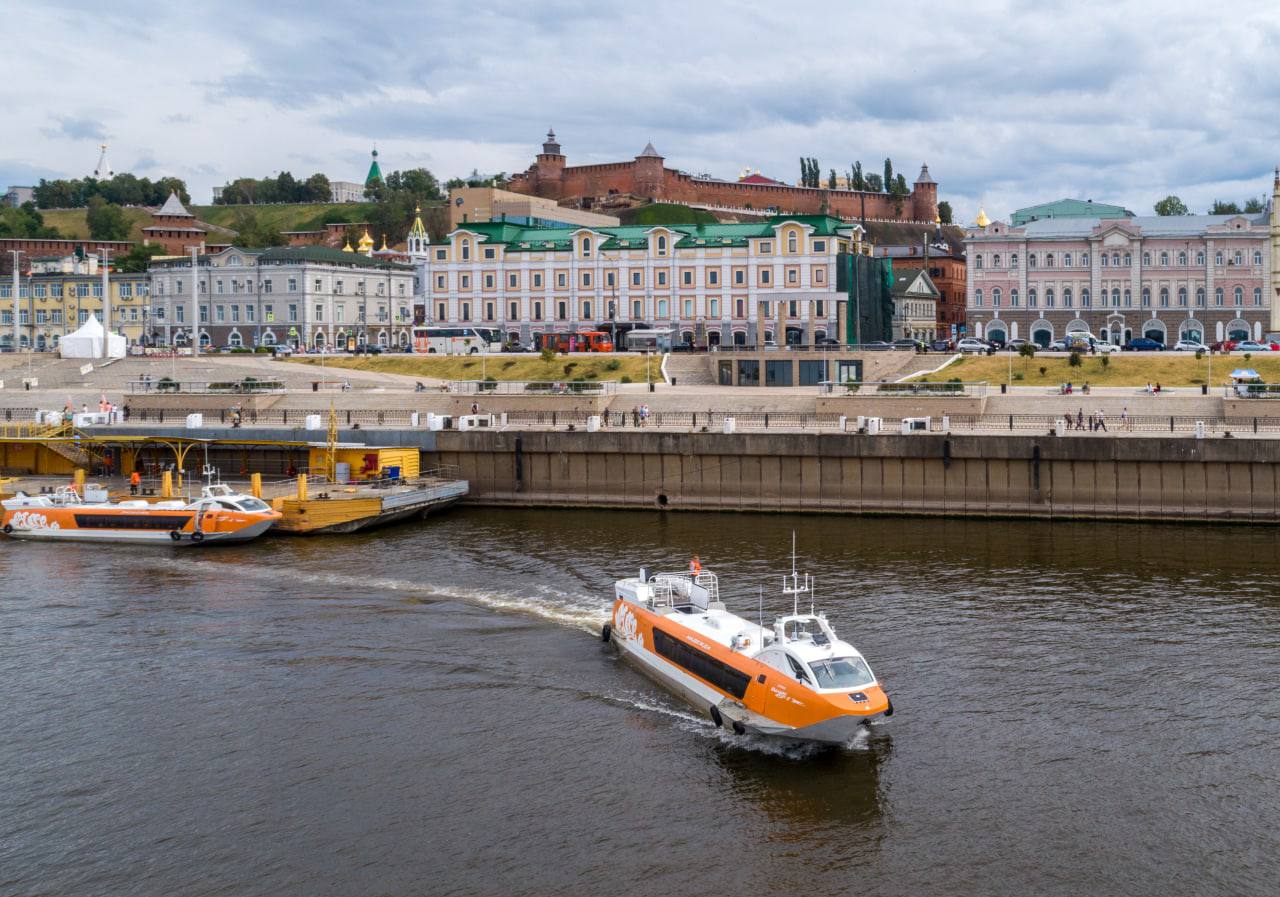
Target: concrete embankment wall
(1020, 476)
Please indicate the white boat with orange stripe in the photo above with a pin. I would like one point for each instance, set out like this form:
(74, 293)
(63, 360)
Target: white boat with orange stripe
(795, 679)
(219, 515)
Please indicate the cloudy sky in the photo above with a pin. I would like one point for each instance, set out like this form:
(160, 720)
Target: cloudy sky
(1008, 103)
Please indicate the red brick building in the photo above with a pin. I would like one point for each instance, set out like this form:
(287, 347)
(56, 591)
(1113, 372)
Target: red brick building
(946, 265)
(648, 177)
(174, 228)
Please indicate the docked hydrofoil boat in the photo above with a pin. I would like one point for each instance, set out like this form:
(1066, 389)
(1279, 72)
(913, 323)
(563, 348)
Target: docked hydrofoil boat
(795, 679)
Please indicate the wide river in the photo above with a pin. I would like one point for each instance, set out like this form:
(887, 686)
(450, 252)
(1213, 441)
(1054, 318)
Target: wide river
(428, 710)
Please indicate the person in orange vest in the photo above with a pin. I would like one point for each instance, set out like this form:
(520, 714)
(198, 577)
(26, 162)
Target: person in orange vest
(135, 480)
(695, 566)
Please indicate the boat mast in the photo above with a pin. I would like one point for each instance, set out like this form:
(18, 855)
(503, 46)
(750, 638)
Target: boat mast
(796, 584)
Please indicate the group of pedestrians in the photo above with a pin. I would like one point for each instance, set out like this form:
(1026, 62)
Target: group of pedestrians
(1097, 420)
(640, 415)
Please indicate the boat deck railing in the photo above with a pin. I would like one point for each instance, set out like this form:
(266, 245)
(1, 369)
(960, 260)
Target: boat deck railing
(676, 589)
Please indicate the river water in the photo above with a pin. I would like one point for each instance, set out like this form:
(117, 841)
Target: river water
(427, 710)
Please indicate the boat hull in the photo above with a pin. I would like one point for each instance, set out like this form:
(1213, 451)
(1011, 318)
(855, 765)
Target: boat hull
(138, 526)
(773, 705)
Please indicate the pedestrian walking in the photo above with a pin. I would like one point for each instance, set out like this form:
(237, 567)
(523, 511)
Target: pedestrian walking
(635, 416)
(1080, 419)
(135, 480)
(1125, 423)
(475, 407)
(1102, 421)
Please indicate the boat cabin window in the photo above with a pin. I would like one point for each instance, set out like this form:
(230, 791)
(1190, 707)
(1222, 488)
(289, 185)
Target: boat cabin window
(842, 672)
(798, 670)
(230, 506)
(254, 504)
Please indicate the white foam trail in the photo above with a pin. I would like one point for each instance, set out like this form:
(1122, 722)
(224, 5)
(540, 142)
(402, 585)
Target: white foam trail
(575, 611)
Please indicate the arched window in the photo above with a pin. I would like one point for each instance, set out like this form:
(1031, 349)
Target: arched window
(1164, 297)
(1031, 260)
(1182, 258)
(1239, 257)
(1104, 259)
(1128, 298)
(1200, 296)
(1146, 297)
(1146, 259)
(1013, 260)
(1182, 297)
(1218, 258)
(662, 245)
(1085, 300)
(586, 246)
(1048, 259)
(1115, 298)
(792, 244)
(1257, 257)
(977, 261)
(1084, 260)
(1013, 297)
(995, 297)
(1199, 256)
(1164, 259)
(1238, 295)
(1066, 298)
(995, 260)
(1217, 297)
(1048, 298)
(1066, 260)
(1032, 299)
(1257, 295)
(1128, 259)
(977, 297)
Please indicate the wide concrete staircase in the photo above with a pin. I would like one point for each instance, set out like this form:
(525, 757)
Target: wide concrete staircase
(693, 369)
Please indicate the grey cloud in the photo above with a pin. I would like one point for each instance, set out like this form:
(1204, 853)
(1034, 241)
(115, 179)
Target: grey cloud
(72, 128)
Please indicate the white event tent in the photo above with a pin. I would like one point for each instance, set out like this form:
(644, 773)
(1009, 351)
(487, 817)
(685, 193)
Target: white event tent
(87, 342)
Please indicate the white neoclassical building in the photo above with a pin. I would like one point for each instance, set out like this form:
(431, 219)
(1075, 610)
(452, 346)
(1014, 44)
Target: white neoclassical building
(710, 284)
(305, 295)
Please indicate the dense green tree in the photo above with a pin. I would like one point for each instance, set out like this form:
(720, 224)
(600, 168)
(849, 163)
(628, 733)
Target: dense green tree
(1253, 206)
(317, 189)
(888, 174)
(1171, 205)
(106, 220)
(1224, 208)
(944, 212)
(124, 189)
(138, 258)
(25, 221)
(252, 233)
(831, 180)
(856, 180)
(874, 183)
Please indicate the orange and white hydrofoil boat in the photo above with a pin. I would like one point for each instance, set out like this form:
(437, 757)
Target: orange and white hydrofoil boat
(219, 515)
(795, 679)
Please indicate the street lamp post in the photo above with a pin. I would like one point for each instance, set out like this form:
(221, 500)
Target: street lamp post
(16, 288)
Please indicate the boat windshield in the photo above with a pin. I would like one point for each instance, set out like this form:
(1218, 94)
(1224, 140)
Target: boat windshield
(254, 504)
(842, 672)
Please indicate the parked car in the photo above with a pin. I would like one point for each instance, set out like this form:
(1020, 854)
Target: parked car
(972, 344)
(876, 346)
(1187, 345)
(1251, 346)
(1015, 344)
(1143, 344)
(941, 345)
(368, 349)
(282, 350)
(1102, 347)
(913, 344)
(1223, 345)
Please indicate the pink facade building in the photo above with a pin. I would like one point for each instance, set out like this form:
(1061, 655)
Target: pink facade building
(1195, 277)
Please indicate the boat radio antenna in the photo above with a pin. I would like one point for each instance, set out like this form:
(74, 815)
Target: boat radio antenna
(760, 614)
(793, 585)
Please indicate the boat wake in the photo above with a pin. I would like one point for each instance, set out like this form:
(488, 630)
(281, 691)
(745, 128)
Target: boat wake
(551, 605)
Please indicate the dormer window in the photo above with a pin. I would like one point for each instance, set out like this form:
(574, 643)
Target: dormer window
(586, 246)
(466, 250)
(662, 245)
(792, 243)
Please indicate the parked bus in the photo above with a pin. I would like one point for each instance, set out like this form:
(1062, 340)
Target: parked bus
(582, 341)
(648, 340)
(456, 340)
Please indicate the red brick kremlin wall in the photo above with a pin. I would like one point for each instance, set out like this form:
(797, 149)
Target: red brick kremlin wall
(646, 176)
